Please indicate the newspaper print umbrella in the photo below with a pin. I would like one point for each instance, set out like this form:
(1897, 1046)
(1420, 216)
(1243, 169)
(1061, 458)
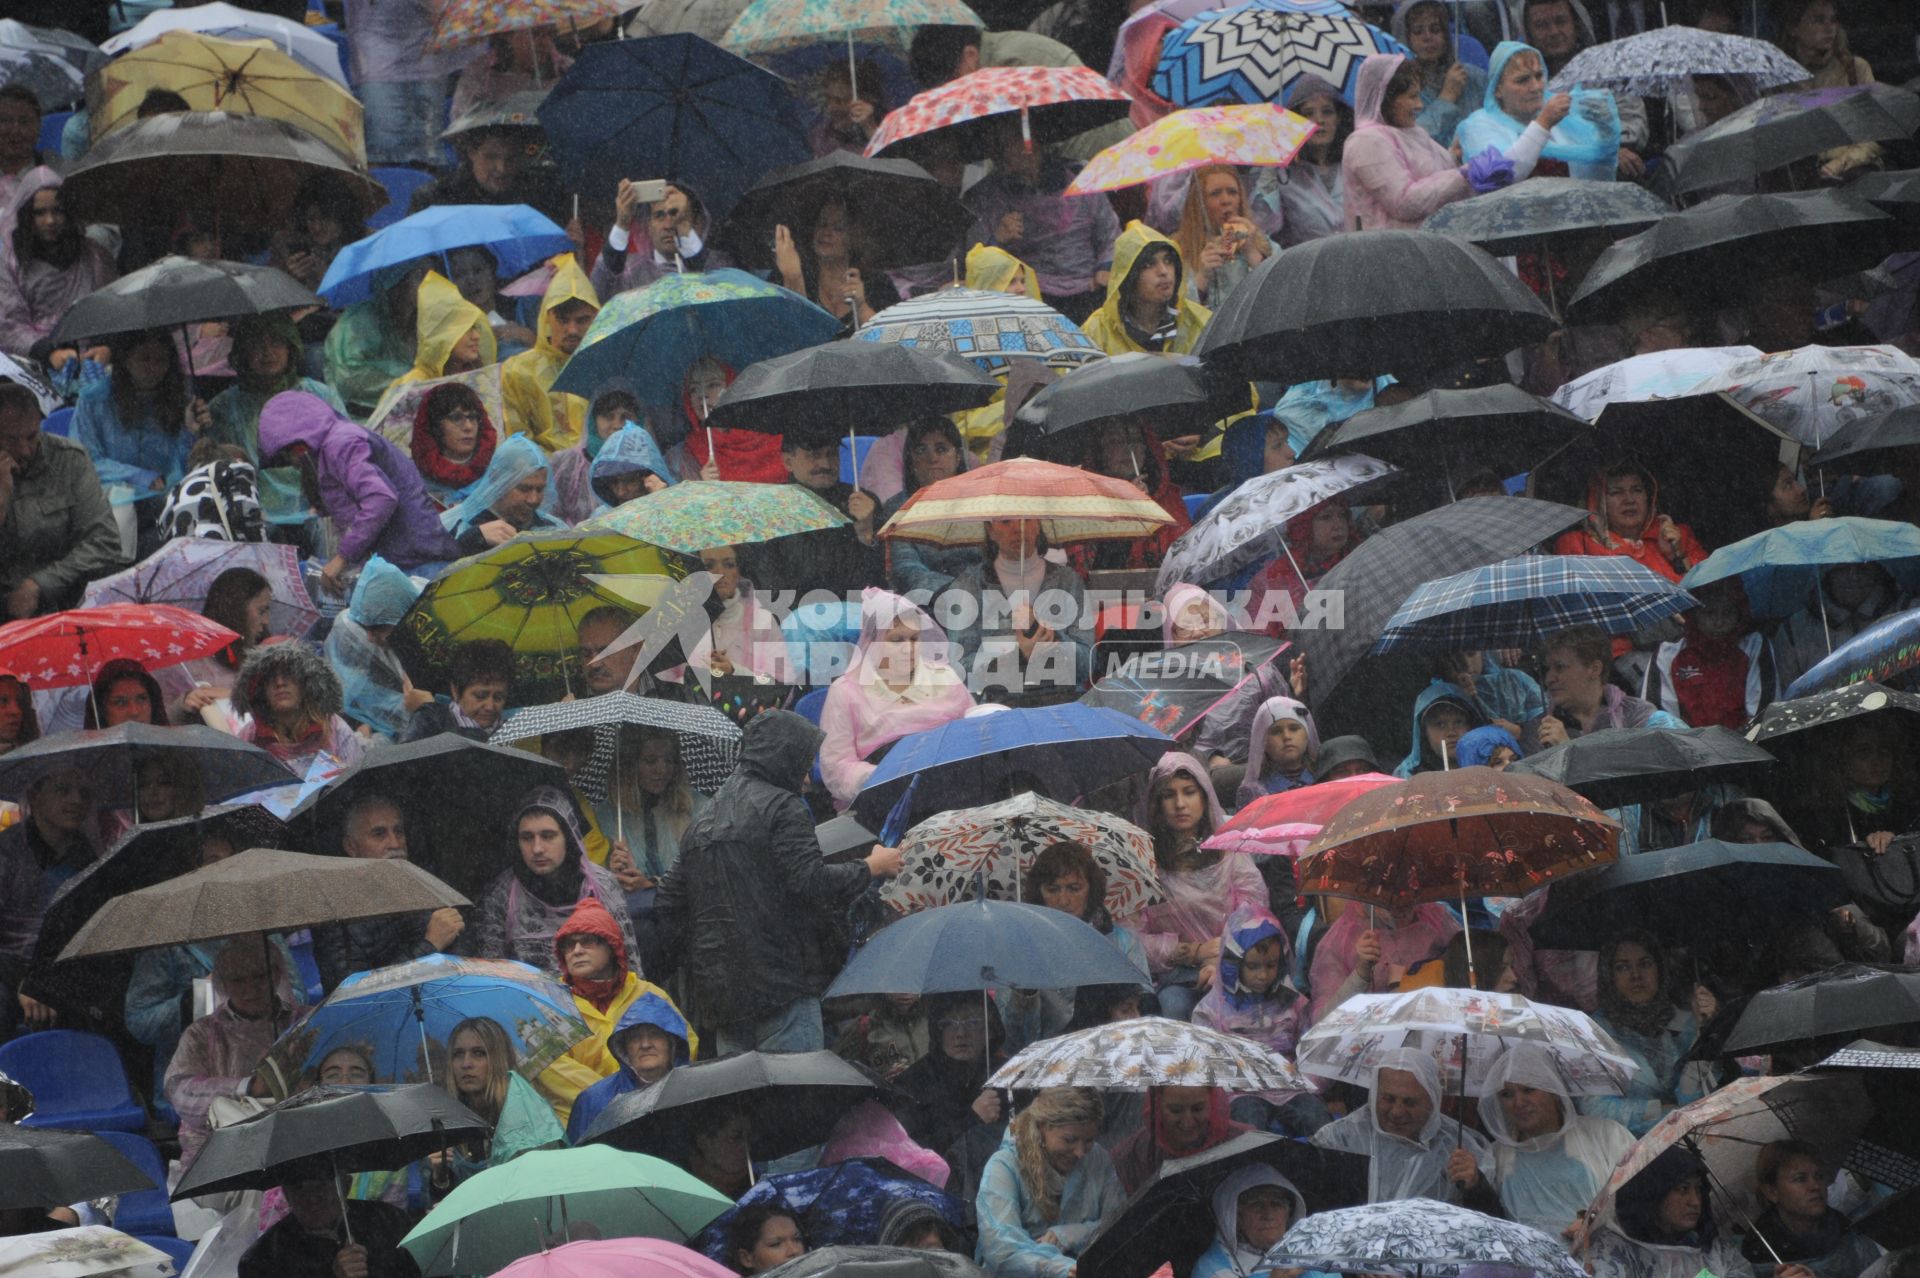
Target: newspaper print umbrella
(1812, 392)
(1520, 601)
(1253, 53)
(1050, 103)
(944, 853)
(1663, 61)
(1349, 1041)
(181, 570)
(1260, 135)
(1250, 526)
(709, 741)
(1149, 1051)
(1418, 1236)
(991, 329)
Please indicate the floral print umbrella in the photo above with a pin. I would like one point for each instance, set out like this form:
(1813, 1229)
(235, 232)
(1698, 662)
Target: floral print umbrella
(1262, 135)
(1656, 63)
(1418, 1236)
(471, 21)
(691, 518)
(181, 570)
(1001, 840)
(1052, 104)
(1250, 526)
(781, 26)
(1150, 1051)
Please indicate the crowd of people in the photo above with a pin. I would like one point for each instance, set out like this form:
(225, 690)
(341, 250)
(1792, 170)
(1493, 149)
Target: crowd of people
(372, 450)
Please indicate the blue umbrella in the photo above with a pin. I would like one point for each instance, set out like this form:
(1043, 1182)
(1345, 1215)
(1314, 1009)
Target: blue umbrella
(1254, 52)
(977, 944)
(1069, 750)
(674, 107)
(518, 237)
(1519, 602)
(835, 1205)
(1877, 654)
(391, 1014)
(1780, 568)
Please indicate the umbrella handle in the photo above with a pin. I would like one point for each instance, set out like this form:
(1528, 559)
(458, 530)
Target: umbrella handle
(340, 1194)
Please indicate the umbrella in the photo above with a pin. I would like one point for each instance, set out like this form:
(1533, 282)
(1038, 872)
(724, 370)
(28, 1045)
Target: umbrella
(989, 328)
(518, 237)
(1783, 127)
(110, 758)
(781, 26)
(1674, 892)
(673, 107)
(1519, 602)
(1664, 61)
(45, 1167)
(308, 47)
(650, 337)
(1171, 691)
(1619, 766)
(1286, 822)
(176, 291)
(368, 1128)
(971, 946)
(1050, 104)
(459, 22)
(1068, 503)
(1877, 654)
(1498, 428)
(1068, 750)
(241, 77)
(1698, 253)
(837, 1205)
(259, 890)
(691, 518)
(1780, 569)
(1254, 53)
(1419, 1236)
(1824, 709)
(1864, 1053)
(393, 417)
(868, 388)
(709, 741)
(1871, 443)
(877, 1262)
(250, 168)
(507, 1212)
(1250, 526)
(1526, 216)
(1176, 393)
(182, 570)
(615, 1258)
(1409, 303)
(1385, 568)
(1001, 840)
(50, 62)
(66, 649)
(791, 1099)
(1260, 136)
(1149, 1051)
(1813, 392)
(1842, 1000)
(531, 592)
(904, 215)
(1656, 375)
(402, 1017)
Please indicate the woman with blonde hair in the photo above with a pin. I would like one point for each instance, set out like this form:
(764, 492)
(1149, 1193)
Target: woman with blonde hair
(480, 1075)
(1049, 1189)
(656, 805)
(1216, 235)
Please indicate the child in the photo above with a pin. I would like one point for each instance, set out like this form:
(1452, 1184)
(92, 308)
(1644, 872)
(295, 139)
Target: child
(1280, 749)
(1442, 714)
(1489, 747)
(630, 465)
(1254, 999)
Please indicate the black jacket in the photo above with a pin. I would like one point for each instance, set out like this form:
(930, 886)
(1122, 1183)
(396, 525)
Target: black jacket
(537, 184)
(341, 949)
(432, 720)
(749, 905)
(288, 1251)
(832, 559)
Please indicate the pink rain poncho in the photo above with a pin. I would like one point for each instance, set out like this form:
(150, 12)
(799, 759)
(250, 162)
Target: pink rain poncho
(1424, 935)
(1394, 177)
(219, 1052)
(1198, 899)
(34, 293)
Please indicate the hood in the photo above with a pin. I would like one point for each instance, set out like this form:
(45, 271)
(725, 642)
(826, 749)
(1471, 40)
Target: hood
(590, 918)
(32, 182)
(779, 747)
(1529, 1065)
(1245, 928)
(1397, 25)
(1243, 448)
(516, 458)
(275, 325)
(1226, 1202)
(1424, 1068)
(1280, 708)
(879, 611)
(1178, 761)
(442, 319)
(655, 1009)
(319, 685)
(1478, 746)
(297, 417)
(1370, 89)
(1503, 53)
(1135, 240)
(1184, 593)
(627, 451)
(382, 595)
(557, 804)
(992, 270)
(1636, 1205)
(1597, 497)
(569, 284)
(1430, 696)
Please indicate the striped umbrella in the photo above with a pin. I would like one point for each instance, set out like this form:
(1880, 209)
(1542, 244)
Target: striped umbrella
(1523, 600)
(1068, 503)
(989, 328)
(1254, 53)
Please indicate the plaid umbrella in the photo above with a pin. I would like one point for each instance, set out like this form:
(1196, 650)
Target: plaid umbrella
(1663, 61)
(1254, 52)
(471, 21)
(709, 741)
(66, 649)
(1068, 503)
(1051, 103)
(1250, 526)
(181, 570)
(1419, 1236)
(1519, 602)
(1526, 215)
(1785, 127)
(1261, 135)
(691, 518)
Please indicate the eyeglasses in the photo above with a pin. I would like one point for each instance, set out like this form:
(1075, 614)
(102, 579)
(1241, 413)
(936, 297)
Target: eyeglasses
(461, 415)
(577, 941)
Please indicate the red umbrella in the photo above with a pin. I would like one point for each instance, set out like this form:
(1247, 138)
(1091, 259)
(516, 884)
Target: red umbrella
(1285, 823)
(1050, 103)
(66, 649)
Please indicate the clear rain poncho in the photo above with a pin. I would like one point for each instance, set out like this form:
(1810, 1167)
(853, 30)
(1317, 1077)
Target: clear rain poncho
(515, 459)
(1230, 1256)
(1546, 1181)
(1397, 1167)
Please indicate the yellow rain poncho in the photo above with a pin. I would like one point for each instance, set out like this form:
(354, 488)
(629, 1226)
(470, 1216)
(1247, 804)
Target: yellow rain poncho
(1107, 327)
(993, 270)
(553, 421)
(442, 318)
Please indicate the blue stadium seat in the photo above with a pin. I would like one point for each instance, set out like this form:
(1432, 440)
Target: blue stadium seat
(51, 126)
(144, 1213)
(58, 422)
(77, 1081)
(809, 707)
(1194, 502)
(401, 183)
(309, 969)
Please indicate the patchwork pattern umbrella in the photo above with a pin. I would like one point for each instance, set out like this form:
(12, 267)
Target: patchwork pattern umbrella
(1068, 503)
(1814, 392)
(1254, 52)
(1784, 127)
(1260, 135)
(1527, 215)
(1663, 61)
(1519, 602)
(1419, 1236)
(1780, 569)
(691, 518)
(1050, 103)
(181, 570)
(1149, 1051)
(837, 1205)
(66, 649)
(518, 237)
(991, 329)
(709, 741)
(1878, 654)
(461, 22)
(1250, 526)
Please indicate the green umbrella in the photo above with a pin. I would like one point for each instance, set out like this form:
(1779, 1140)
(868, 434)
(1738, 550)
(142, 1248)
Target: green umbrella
(696, 517)
(510, 1211)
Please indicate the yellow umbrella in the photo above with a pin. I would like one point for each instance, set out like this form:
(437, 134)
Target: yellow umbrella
(241, 77)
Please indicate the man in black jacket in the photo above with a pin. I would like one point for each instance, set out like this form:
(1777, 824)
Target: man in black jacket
(375, 830)
(309, 1242)
(842, 560)
(750, 900)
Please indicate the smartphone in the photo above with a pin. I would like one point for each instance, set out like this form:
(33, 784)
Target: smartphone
(651, 192)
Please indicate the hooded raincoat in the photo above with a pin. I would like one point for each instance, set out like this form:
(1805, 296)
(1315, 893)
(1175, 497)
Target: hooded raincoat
(366, 351)
(1477, 747)
(517, 458)
(441, 318)
(1437, 115)
(1633, 1244)
(236, 415)
(1112, 327)
(1394, 177)
(1198, 900)
(631, 450)
(1547, 1181)
(1399, 1167)
(1336, 963)
(35, 294)
(1596, 538)
(1264, 777)
(1011, 1222)
(1230, 1256)
(1274, 1018)
(1423, 757)
(1138, 1158)
(372, 681)
(522, 911)
(1587, 142)
(1659, 1037)
(748, 456)
(553, 421)
(654, 1008)
(219, 1052)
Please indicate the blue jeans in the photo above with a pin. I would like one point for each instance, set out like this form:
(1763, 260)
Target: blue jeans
(794, 1028)
(404, 119)
(1176, 993)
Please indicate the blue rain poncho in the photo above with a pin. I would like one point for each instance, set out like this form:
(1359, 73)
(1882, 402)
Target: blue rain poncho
(1547, 1181)
(372, 683)
(1587, 141)
(629, 450)
(1010, 1220)
(515, 459)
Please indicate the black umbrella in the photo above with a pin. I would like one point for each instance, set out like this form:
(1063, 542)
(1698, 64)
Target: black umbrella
(179, 290)
(1174, 689)
(791, 1099)
(1177, 395)
(1527, 216)
(44, 1167)
(111, 756)
(1409, 303)
(1675, 892)
(1843, 1000)
(1498, 428)
(866, 388)
(1871, 442)
(1171, 1217)
(1895, 190)
(1824, 709)
(844, 839)
(1780, 128)
(1713, 249)
(1618, 766)
(902, 215)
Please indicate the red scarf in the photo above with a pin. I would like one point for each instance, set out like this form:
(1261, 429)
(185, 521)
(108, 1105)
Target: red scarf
(590, 918)
(433, 463)
(750, 456)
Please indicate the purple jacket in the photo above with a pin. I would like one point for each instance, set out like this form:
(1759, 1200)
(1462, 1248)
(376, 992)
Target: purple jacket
(369, 487)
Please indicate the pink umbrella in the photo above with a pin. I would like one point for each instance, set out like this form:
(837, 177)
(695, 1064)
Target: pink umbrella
(1050, 103)
(616, 1258)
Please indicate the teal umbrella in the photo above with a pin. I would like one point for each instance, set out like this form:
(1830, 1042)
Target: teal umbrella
(1780, 569)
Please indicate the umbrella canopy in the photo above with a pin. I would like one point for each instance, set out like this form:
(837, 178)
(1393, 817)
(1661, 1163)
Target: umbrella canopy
(1523, 217)
(839, 1205)
(1172, 690)
(1149, 1051)
(673, 107)
(518, 237)
(1259, 135)
(1813, 392)
(1780, 128)
(1877, 654)
(1068, 503)
(1287, 821)
(504, 1213)
(1823, 710)
(1655, 375)
(1443, 835)
(792, 1101)
(45, 1167)
(181, 290)
(88, 1249)
(459, 22)
(1519, 602)
(1050, 104)
(50, 62)
(1780, 569)
(66, 649)
(1619, 766)
(709, 741)
(371, 1128)
(1254, 53)
(615, 1258)
(691, 518)
(1176, 393)
(989, 328)
(1675, 892)
(1663, 61)
(904, 216)
(877, 1262)
(259, 890)
(1501, 428)
(1409, 303)
(781, 26)
(978, 944)
(650, 337)
(1842, 1001)
(302, 43)
(1421, 1236)
(111, 758)
(1872, 441)
(181, 571)
(1250, 526)
(867, 388)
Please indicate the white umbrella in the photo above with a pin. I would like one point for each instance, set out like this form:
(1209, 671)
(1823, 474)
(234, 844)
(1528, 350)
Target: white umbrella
(1658, 375)
(1149, 1051)
(298, 41)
